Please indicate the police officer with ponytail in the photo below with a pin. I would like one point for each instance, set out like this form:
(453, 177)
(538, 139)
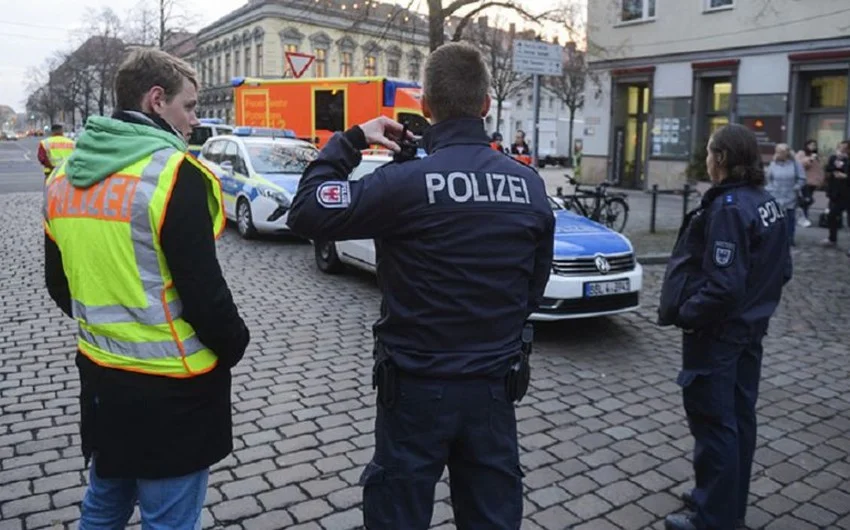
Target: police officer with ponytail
(464, 239)
(722, 285)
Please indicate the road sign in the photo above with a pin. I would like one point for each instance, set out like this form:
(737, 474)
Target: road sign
(299, 62)
(535, 57)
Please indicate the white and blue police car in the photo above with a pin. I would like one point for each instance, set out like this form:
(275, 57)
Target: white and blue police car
(259, 169)
(594, 270)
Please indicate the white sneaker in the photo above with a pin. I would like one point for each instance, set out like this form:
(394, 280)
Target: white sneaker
(804, 223)
(827, 243)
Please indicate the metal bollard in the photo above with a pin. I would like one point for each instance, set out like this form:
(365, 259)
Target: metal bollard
(687, 195)
(654, 207)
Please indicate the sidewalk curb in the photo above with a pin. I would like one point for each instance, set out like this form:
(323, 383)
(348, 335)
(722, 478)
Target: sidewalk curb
(657, 258)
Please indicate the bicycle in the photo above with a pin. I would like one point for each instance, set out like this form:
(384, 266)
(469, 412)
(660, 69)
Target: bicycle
(600, 205)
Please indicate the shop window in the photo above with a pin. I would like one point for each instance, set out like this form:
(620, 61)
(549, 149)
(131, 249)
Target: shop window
(825, 109)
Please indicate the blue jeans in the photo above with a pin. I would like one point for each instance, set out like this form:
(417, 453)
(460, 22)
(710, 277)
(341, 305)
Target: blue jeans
(165, 504)
(791, 219)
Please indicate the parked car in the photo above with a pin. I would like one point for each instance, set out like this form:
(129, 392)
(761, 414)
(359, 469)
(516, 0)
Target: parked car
(259, 177)
(208, 128)
(594, 272)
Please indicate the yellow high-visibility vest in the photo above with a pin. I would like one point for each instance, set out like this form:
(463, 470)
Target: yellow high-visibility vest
(123, 298)
(58, 149)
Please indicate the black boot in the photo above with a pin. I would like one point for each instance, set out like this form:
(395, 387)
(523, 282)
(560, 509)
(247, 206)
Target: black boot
(679, 521)
(691, 506)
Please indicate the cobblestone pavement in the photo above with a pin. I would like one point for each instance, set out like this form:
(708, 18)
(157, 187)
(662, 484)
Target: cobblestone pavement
(604, 441)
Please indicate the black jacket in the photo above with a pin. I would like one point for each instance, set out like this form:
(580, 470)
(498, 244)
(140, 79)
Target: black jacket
(464, 238)
(144, 426)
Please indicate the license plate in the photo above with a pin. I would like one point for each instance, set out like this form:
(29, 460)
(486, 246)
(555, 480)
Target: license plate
(592, 289)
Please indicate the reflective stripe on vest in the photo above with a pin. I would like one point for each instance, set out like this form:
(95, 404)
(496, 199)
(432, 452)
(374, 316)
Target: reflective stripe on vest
(152, 338)
(58, 148)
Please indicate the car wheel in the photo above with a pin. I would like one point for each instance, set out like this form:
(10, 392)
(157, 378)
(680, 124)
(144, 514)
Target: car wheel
(327, 260)
(244, 221)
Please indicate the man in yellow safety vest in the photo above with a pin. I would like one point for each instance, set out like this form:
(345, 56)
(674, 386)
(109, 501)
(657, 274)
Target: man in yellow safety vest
(130, 226)
(54, 149)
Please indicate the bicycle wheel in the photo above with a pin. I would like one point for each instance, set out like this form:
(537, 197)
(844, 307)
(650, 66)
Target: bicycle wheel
(616, 213)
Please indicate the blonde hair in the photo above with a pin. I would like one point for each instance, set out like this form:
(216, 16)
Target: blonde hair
(781, 147)
(146, 68)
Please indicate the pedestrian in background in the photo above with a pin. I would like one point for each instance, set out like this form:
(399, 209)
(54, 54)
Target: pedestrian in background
(785, 180)
(130, 225)
(838, 190)
(54, 149)
(460, 269)
(723, 283)
(808, 157)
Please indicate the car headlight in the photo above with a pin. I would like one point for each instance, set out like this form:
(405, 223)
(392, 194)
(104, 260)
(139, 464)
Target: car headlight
(276, 196)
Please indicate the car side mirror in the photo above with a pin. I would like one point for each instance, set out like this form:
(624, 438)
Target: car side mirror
(227, 167)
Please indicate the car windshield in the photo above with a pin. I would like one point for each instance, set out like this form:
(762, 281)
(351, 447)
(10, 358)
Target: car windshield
(278, 158)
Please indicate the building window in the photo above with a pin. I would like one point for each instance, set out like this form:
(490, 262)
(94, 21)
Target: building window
(719, 4)
(414, 70)
(393, 68)
(227, 71)
(346, 64)
(321, 62)
(236, 71)
(825, 109)
(248, 72)
(637, 10)
(259, 60)
(218, 77)
(290, 48)
(371, 67)
(519, 101)
(210, 72)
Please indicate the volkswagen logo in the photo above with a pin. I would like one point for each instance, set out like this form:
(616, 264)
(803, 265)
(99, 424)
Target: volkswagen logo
(602, 265)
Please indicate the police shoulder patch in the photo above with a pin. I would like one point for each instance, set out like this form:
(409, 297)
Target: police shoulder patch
(334, 195)
(724, 253)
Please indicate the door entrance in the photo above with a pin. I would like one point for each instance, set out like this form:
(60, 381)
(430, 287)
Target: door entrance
(631, 134)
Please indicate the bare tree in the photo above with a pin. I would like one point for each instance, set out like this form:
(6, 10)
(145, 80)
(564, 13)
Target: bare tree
(496, 45)
(151, 23)
(570, 87)
(438, 14)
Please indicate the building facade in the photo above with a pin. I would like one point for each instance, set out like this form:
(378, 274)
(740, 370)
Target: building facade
(668, 74)
(345, 39)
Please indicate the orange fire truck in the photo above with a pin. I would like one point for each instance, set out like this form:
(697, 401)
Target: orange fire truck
(316, 108)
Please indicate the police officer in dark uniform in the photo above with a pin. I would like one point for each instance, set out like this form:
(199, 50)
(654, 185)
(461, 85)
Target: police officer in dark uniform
(722, 285)
(465, 241)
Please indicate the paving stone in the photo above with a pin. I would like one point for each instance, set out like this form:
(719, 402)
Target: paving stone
(273, 520)
(631, 516)
(555, 518)
(236, 509)
(309, 510)
(550, 496)
(281, 497)
(588, 506)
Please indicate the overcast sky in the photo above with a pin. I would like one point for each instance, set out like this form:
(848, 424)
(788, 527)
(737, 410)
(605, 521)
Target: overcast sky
(32, 30)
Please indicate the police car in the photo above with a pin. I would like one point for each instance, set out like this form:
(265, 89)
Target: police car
(594, 270)
(259, 169)
(208, 128)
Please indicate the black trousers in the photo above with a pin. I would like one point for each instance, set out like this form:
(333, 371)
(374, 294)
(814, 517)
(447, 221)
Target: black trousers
(467, 425)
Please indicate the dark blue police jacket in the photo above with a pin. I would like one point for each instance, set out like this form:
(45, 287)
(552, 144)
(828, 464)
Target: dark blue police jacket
(464, 238)
(730, 262)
